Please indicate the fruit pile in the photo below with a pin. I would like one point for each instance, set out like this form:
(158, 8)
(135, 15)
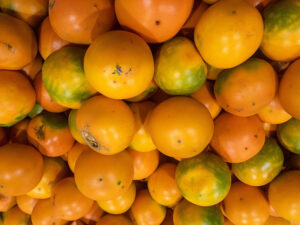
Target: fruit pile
(149, 112)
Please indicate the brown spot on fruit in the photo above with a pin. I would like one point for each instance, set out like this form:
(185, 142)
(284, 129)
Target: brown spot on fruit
(40, 133)
(157, 22)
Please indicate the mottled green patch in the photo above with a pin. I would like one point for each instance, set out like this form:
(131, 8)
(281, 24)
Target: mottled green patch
(40, 133)
(288, 134)
(54, 120)
(16, 120)
(37, 109)
(72, 120)
(263, 167)
(221, 81)
(251, 65)
(51, 4)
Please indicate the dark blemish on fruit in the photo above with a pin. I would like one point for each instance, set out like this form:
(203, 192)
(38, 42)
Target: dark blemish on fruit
(270, 110)
(241, 199)
(39, 132)
(253, 103)
(233, 12)
(100, 179)
(9, 47)
(178, 141)
(119, 183)
(51, 183)
(95, 6)
(246, 148)
(157, 22)
(1, 186)
(51, 4)
(128, 71)
(118, 70)
(227, 105)
(39, 188)
(122, 187)
(114, 81)
(53, 223)
(255, 135)
(90, 139)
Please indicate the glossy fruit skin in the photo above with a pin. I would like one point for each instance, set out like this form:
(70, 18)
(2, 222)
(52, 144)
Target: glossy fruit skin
(179, 68)
(274, 113)
(17, 93)
(142, 140)
(121, 203)
(146, 211)
(193, 127)
(64, 78)
(263, 167)
(119, 74)
(162, 185)
(49, 41)
(19, 43)
(144, 163)
(186, 213)
(49, 132)
(203, 180)
(277, 221)
(43, 214)
(21, 168)
(229, 39)
(81, 21)
(34, 67)
(26, 203)
(288, 134)
(43, 97)
(32, 11)
(237, 139)
(289, 90)
(106, 125)
(74, 154)
(73, 127)
(282, 31)
(110, 180)
(114, 220)
(246, 205)
(206, 96)
(69, 203)
(18, 132)
(6, 202)
(240, 90)
(54, 170)
(15, 216)
(156, 20)
(284, 195)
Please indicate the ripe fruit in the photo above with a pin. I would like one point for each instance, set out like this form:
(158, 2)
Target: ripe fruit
(114, 220)
(26, 203)
(181, 133)
(155, 20)
(21, 168)
(17, 97)
(119, 64)
(74, 154)
(107, 125)
(179, 68)
(288, 134)
(16, 216)
(73, 127)
(203, 180)
(229, 39)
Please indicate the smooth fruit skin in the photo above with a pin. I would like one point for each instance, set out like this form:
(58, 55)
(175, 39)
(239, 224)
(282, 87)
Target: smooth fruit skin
(21, 168)
(284, 195)
(239, 90)
(114, 220)
(34, 67)
(6, 202)
(186, 213)
(30, 11)
(64, 77)
(43, 97)
(203, 180)
(146, 94)
(107, 181)
(146, 211)
(246, 205)
(54, 170)
(26, 203)
(229, 39)
(121, 203)
(237, 139)
(15, 216)
(263, 167)
(74, 154)
(289, 89)
(69, 203)
(19, 45)
(49, 132)
(142, 140)
(43, 214)
(274, 113)
(107, 125)
(282, 30)
(277, 221)
(181, 133)
(73, 127)
(162, 185)
(119, 64)
(288, 134)
(17, 97)
(156, 20)
(49, 41)
(206, 96)
(144, 163)
(81, 21)
(179, 68)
